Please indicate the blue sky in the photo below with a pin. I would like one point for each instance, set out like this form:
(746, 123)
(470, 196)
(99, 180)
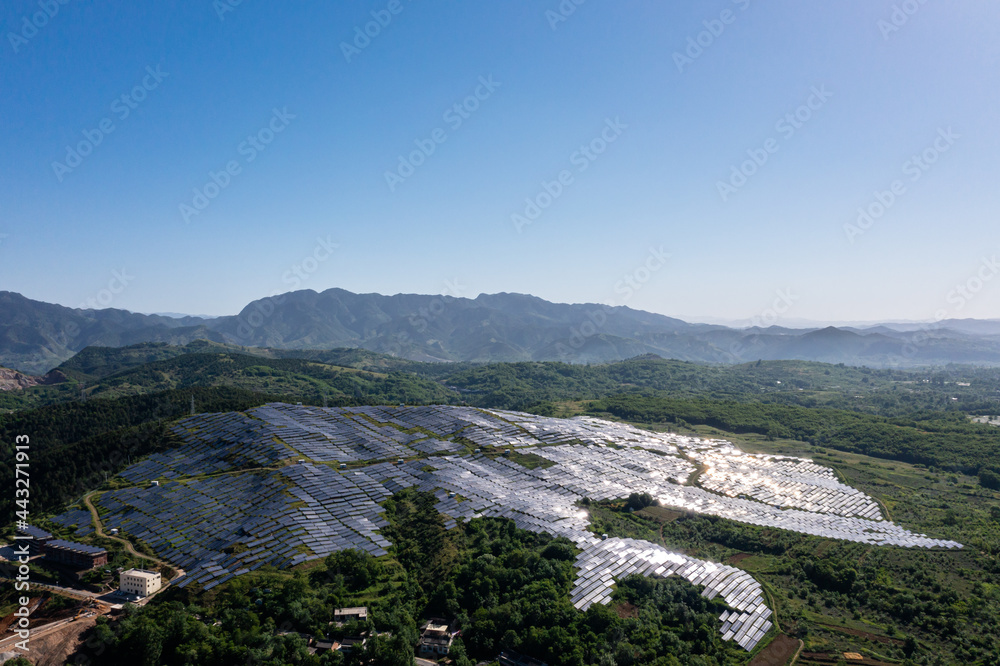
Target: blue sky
(310, 129)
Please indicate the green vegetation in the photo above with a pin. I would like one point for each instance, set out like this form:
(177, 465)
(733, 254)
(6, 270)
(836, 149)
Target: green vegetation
(904, 437)
(17, 661)
(505, 587)
(310, 379)
(361, 374)
(74, 446)
(946, 440)
(803, 383)
(639, 501)
(93, 363)
(930, 607)
(529, 460)
(117, 373)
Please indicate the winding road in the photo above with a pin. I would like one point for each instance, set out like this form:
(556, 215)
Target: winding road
(99, 528)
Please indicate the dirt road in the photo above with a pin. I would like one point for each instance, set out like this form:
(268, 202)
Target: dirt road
(99, 528)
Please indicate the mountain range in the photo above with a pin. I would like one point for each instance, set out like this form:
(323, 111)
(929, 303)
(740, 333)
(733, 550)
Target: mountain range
(36, 336)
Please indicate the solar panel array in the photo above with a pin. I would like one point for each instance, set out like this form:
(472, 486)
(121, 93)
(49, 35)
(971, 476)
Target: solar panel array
(78, 518)
(598, 473)
(782, 481)
(221, 526)
(613, 559)
(546, 498)
(337, 434)
(492, 487)
(433, 445)
(440, 420)
(550, 430)
(213, 443)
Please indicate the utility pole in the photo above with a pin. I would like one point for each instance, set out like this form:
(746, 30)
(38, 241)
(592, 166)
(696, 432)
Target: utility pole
(192, 404)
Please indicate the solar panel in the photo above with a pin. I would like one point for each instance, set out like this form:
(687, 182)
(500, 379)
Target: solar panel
(303, 511)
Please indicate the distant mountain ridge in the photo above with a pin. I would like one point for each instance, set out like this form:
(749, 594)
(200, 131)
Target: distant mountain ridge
(37, 336)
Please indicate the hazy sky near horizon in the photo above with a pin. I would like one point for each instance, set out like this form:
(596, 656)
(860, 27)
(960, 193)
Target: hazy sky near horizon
(696, 159)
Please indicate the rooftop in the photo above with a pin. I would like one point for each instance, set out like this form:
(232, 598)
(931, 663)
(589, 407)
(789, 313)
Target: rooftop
(75, 547)
(436, 628)
(34, 532)
(141, 573)
(357, 610)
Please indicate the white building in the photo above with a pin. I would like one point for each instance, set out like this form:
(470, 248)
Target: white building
(436, 639)
(140, 582)
(357, 613)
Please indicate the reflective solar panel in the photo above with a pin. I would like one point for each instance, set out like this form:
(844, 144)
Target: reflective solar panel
(220, 527)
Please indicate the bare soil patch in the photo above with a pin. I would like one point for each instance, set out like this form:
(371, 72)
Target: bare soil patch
(55, 647)
(807, 658)
(737, 558)
(777, 652)
(626, 610)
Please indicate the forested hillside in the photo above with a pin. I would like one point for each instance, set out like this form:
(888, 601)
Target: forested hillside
(905, 437)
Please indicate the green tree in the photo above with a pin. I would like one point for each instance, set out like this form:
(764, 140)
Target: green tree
(458, 655)
(989, 479)
(358, 569)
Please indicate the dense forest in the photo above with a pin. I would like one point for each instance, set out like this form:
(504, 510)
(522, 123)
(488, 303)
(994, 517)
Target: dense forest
(362, 375)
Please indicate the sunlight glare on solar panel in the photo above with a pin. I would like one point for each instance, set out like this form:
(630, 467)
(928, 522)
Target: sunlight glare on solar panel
(218, 527)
